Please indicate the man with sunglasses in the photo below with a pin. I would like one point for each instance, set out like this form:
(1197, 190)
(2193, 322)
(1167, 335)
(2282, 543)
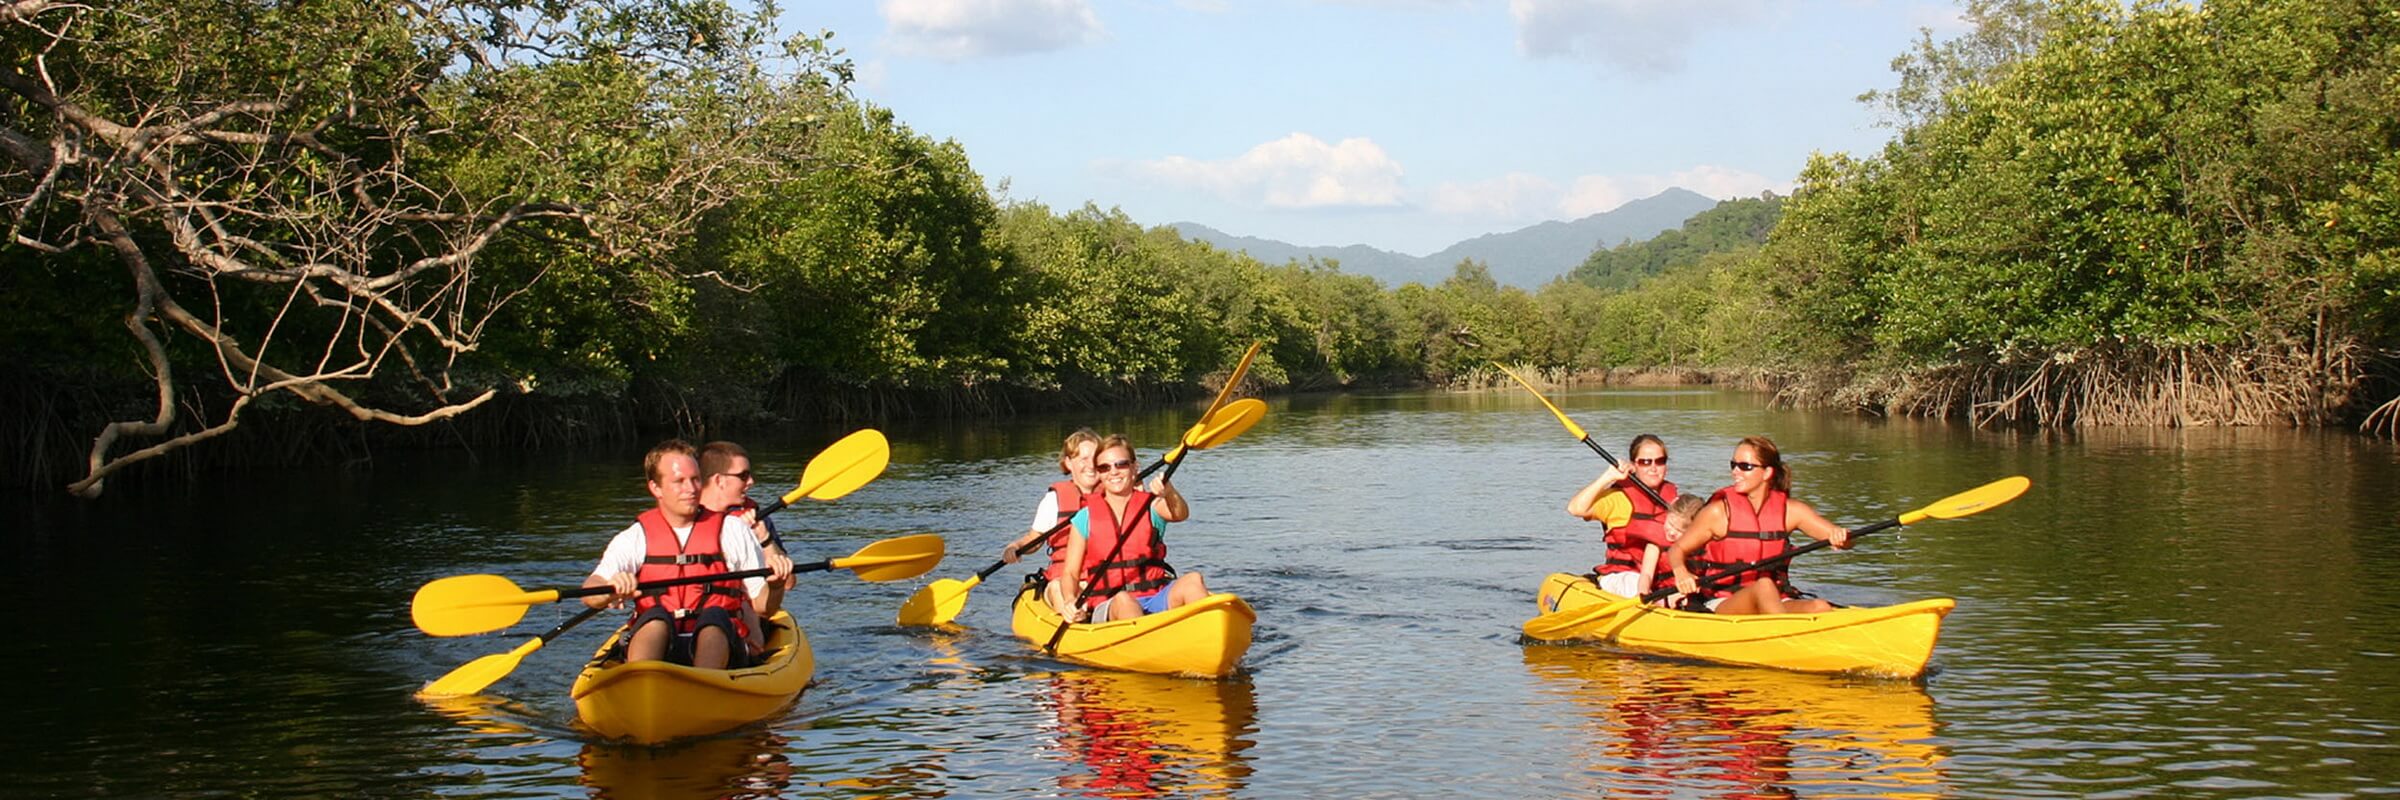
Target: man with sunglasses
(725, 481)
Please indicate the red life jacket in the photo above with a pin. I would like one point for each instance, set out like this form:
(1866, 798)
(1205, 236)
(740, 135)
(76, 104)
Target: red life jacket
(746, 510)
(1648, 525)
(1070, 499)
(701, 553)
(1749, 536)
(1140, 554)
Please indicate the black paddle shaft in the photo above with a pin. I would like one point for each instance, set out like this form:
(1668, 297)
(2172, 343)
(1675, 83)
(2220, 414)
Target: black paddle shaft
(1709, 580)
(761, 572)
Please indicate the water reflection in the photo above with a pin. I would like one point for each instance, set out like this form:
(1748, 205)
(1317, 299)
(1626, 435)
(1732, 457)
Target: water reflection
(1661, 729)
(1137, 735)
(482, 714)
(744, 766)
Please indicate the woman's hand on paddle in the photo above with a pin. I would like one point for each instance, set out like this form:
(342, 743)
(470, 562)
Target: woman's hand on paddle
(1686, 582)
(1008, 552)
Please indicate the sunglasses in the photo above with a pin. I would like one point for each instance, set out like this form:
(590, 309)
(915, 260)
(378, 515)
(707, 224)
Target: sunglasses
(1108, 466)
(1744, 466)
(743, 475)
(1650, 462)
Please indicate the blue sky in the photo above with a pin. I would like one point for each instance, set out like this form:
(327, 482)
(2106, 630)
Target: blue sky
(1402, 124)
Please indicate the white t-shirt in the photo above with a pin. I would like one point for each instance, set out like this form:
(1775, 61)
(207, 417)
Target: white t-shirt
(1045, 516)
(735, 540)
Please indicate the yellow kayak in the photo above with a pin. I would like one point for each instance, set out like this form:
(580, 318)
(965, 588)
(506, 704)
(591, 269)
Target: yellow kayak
(1205, 639)
(1888, 641)
(653, 701)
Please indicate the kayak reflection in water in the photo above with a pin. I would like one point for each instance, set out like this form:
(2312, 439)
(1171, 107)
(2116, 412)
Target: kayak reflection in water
(1138, 735)
(1059, 504)
(1747, 522)
(1119, 547)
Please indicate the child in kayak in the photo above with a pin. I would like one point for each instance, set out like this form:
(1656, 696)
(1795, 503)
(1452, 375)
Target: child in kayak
(1751, 520)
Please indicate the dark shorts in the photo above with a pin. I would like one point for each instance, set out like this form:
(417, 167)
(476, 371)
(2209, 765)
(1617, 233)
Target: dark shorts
(679, 648)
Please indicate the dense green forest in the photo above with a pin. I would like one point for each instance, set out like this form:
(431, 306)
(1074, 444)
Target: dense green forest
(533, 223)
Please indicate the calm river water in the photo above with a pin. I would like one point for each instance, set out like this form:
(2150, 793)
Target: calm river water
(2166, 614)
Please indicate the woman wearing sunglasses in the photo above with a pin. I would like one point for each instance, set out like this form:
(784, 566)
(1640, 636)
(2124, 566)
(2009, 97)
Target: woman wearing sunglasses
(1744, 523)
(1119, 550)
(1638, 530)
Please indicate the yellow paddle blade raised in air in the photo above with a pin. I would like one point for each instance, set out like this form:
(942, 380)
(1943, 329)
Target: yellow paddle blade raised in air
(1537, 395)
(1971, 501)
(895, 558)
(843, 467)
(1240, 371)
(1229, 422)
(471, 604)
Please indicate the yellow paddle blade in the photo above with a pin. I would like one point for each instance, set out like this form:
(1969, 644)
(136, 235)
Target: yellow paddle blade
(1537, 395)
(1971, 501)
(1229, 422)
(938, 603)
(895, 558)
(470, 604)
(475, 676)
(843, 467)
(1558, 625)
(1240, 371)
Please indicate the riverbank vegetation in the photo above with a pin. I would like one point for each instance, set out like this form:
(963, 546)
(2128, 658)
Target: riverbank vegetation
(490, 222)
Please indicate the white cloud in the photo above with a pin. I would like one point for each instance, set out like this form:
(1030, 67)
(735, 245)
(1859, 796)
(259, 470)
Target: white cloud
(1519, 198)
(1514, 196)
(954, 30)
(1639, 36)
(1592, 194)
(1298, 171)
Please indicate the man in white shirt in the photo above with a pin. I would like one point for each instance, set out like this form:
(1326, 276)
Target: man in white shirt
(696, 624)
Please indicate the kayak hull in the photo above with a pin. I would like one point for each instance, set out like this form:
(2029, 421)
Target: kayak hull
(1206, 638)
(1888, 641)
(648, 702)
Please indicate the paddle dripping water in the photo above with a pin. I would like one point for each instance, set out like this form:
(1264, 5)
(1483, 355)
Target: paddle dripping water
(2123, 629)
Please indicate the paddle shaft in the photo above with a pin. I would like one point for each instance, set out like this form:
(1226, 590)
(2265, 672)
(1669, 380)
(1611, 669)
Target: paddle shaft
(588, 613)
(1578, 432)
(1713, 578)
(761, 572)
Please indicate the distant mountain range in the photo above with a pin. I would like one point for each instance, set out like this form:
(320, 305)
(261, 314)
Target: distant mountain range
(1525, 258)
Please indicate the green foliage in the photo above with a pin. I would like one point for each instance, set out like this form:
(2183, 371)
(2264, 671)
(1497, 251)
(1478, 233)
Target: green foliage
(699, 204)
(1732, 225)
